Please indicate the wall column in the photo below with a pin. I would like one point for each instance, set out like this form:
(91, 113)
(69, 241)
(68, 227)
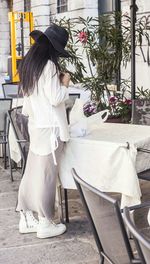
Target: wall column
(4, 36)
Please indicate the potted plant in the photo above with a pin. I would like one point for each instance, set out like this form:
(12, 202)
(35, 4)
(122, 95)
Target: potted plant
(120, 109)
(98, 47)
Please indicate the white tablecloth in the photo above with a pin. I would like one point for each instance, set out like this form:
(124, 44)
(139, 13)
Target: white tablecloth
(103, 159)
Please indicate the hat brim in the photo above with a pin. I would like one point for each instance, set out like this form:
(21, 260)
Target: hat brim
(36, 34)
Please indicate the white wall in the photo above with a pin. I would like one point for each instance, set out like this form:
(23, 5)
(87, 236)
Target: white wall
(76, 8)
(18, 5)
(142, 69)
(4, 36)
(41, 13)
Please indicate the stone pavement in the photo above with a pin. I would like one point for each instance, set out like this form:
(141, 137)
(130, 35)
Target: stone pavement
(76, 246)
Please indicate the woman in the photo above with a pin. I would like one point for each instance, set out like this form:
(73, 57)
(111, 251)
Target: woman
(44, 94)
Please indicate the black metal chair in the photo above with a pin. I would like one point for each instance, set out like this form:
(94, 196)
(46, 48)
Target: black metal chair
(5, 105)
(19, 124)
(142, 243)
(69, 105)
(141, 112)
(141, 116)
(70, 102)
(11, 90)
(107, 224)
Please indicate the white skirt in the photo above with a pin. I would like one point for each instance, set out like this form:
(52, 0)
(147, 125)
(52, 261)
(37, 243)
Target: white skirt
(38, 185)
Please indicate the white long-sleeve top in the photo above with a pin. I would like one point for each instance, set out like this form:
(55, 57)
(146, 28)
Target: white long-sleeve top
(46, 110)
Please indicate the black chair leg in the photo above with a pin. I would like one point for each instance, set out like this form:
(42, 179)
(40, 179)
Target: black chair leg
(60, 205)
(66, 205)
(101, 260)
(10, 164)
(23, 165)
(5, 157)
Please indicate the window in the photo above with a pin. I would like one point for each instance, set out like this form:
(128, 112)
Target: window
(62, 6)
(108, 6)
(27, 5)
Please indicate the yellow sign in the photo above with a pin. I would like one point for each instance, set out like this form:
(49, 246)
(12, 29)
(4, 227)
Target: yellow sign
(19, 22)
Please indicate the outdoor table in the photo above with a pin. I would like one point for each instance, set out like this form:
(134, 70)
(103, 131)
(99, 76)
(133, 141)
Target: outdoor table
(107, 158)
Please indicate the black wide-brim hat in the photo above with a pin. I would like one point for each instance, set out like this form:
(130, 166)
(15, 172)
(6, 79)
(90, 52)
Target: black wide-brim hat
(58, 37)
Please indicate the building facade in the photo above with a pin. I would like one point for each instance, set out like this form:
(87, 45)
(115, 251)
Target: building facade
(4, 35)
(44, 11)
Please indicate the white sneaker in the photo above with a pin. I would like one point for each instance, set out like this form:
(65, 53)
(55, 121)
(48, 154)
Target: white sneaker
(148, 217)
(48, 228)
(28, 223)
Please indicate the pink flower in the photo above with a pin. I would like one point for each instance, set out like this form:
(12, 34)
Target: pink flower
(113, 99)
(90, 108)
(83, 37)
(128, 101)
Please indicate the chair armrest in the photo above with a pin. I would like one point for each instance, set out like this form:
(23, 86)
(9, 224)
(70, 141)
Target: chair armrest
(138, 206)
(21, 140)
(143, 150)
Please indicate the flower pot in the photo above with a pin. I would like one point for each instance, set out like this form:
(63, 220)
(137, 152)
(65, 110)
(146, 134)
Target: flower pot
(114, 119)
(119, 119)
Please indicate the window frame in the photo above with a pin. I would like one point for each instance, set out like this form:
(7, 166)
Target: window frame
(27, 5)
(61, 6)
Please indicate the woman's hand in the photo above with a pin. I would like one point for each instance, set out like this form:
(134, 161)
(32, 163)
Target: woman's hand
(65, 79)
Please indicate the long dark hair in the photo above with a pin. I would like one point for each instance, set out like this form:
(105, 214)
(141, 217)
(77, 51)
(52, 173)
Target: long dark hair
(32, 65)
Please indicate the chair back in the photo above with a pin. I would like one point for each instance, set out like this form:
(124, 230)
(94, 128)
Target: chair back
(70, 102)
(5, 105)
(142, 243)
(107, 224)
(11, 90)
(141, 112)
(74, 96)
(19, 123)
(141, 116)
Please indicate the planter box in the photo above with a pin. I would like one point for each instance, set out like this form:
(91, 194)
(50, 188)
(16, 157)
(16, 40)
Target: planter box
(118, 119)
